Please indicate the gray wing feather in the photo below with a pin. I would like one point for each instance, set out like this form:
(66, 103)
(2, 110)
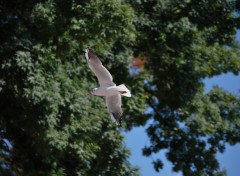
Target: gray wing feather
(114, 104)
(103, 75)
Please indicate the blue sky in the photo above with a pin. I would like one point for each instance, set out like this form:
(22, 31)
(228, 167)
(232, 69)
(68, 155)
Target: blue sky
(137, 138)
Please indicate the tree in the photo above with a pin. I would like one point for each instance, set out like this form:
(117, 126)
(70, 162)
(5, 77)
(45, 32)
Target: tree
(183, 42)
(48, 123)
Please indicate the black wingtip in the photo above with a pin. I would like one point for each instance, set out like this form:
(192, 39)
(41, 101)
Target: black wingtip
(119, 123)
(84, 50)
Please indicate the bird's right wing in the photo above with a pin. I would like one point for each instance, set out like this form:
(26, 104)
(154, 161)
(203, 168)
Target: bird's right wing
(103, 75)
(114, 104)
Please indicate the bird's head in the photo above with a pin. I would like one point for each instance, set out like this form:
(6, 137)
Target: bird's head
(91, 92)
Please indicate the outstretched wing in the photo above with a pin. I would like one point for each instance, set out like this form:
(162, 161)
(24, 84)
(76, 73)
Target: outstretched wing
(103, 75)
(114, 104)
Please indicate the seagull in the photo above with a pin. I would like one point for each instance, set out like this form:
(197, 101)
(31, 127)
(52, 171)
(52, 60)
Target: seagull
(108, 88)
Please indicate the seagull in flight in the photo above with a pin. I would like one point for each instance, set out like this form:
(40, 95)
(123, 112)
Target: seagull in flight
(107, 87)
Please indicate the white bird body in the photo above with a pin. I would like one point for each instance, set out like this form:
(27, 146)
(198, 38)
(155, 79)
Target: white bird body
(111, 90)
(107, 87)
(105, 91)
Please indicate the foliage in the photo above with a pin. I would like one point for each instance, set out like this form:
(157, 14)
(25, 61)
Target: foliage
(50, 126)
(183, 42)
(48, 123)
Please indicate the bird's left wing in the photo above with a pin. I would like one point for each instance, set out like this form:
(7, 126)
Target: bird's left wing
(103, 75)
(114, 104)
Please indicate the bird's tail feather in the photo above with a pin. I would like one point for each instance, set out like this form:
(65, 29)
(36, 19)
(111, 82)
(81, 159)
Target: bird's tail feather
(124, 90)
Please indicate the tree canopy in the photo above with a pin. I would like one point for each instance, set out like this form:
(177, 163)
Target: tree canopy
(48, 123)
(184, 42)
(50, 126)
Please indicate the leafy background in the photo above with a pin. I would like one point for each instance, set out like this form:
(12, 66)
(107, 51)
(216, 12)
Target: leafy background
(50, 126)
(228, 160)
